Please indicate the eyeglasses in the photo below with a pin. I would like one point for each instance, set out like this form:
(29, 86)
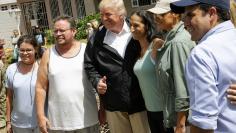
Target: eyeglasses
(60, 31)
(22, 51)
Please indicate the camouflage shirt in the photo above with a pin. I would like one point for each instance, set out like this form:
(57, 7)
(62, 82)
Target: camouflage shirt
(2, 96)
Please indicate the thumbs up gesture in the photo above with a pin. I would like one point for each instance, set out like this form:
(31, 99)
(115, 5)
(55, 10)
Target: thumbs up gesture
(102, 85)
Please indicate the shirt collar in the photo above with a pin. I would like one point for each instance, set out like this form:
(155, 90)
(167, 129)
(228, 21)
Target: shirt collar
(217, 29)
(125, 29)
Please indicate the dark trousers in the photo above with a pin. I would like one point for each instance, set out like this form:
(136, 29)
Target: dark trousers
(155, 120)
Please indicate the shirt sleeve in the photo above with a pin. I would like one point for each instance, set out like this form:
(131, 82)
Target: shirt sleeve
(90, 64)
(9, 77)
(201, 71)
(180, 52)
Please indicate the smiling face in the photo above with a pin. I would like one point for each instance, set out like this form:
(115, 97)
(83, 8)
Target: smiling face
(197, 22)
(111, 19)
(27, 53)
(63, 33)
(137, 27)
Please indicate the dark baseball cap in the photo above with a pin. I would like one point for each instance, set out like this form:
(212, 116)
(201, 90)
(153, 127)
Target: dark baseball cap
(225, 4)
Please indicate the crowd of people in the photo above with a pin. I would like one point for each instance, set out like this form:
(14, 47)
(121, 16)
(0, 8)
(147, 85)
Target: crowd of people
(158, 71)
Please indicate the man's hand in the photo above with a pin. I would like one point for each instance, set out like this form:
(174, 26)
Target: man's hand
(9, 129)
(43, 124)
(102, 85)
(157, 43)
(231, 93)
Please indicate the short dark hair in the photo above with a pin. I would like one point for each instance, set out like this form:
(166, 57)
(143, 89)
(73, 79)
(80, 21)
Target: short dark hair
(70, 19)
(147, 19)
(223, 14)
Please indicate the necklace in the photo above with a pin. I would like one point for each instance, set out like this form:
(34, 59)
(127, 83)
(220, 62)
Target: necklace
(31, 77)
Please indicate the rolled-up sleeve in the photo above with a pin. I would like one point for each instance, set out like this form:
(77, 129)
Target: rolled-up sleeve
(180, 52)
(200, 73)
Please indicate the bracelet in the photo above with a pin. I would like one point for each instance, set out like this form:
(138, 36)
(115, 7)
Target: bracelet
(8, 122)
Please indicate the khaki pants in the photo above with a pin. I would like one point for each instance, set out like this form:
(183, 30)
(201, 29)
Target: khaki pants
(3, 130)
(122, 122)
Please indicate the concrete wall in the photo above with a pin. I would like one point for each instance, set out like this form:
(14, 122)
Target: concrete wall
(131, 9)
(10, 20)
(8, 23)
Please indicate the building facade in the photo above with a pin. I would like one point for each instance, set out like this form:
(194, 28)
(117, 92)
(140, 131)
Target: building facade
(40, 13)
(10, 19)
(25, 15)
(133, 5)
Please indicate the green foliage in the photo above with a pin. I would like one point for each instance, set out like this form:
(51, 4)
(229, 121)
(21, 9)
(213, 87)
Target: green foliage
(82, 25)
(49, 36)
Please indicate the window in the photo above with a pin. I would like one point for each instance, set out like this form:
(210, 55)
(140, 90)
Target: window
(153, 1)
(34, 14)
(4, 8)
(80, 8)
(136, 3)
(67, 7)
(54, 8)
(14, 7)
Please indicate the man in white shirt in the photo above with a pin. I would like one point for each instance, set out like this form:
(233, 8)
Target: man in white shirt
(71, 99)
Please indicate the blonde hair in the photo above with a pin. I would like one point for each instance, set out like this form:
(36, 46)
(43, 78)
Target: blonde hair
(117, 5)
(233, 11)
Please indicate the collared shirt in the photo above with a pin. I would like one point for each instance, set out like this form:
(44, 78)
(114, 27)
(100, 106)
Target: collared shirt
(118, 41)
(209, 72)
(170, 65)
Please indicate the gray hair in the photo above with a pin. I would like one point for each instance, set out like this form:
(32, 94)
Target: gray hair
(117, 5)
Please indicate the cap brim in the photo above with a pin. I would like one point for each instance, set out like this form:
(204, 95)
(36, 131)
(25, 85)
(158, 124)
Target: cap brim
(179, 6)
(177, 9)
(184, 3)
(158, 10)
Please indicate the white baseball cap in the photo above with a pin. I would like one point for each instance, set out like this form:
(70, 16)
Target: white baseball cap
(162, 6)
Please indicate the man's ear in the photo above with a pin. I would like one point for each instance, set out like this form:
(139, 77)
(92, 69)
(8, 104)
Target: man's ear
(212, 11)
(74, 31)
(122, 17)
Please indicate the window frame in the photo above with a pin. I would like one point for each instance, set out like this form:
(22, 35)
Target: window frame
(132, 2)
(14, 7)
(4, 8)
(153, 1)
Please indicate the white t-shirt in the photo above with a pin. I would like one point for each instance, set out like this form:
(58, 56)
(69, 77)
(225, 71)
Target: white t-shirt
(23, 113)
(71, 99)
